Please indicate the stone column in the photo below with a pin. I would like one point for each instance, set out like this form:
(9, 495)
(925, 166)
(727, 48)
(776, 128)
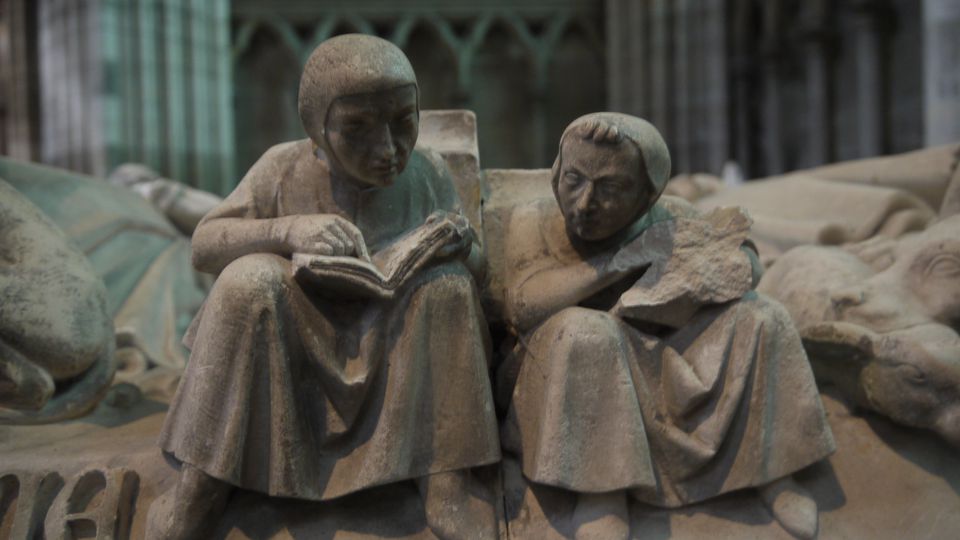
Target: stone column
(715, 78)
(770, 49)
(639, 70)
(941, 67)
(68, 78)
(870, 90)
(742, 62)
(617, 54)
(815, 38)
(138, 80)
(18, 79)
(680, 90)
(660, 59)
(628, 53)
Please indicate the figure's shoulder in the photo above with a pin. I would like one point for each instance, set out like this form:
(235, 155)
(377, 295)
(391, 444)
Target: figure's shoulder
(277, 163)
(257, 190)
(285, 154)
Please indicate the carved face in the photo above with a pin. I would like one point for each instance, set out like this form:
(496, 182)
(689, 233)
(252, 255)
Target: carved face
(371, 135)
(915, 378)
(889, 337)
(921, 284)
(601, 187)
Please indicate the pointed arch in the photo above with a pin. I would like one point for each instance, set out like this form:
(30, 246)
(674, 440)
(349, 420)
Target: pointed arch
(275, 25)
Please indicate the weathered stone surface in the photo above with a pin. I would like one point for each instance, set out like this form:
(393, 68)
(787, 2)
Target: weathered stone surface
(924, 173)
(800, 210)
(693, 262)
(183, 205)
(96, 503)
(25, 497)
(152, 291)
(453, 135)
(693, 187)
(56, 337)
(316, 393)
(885, 481)
(879, 320)
(951, 197)
(508, 188)
(642, 365)
(847, 202)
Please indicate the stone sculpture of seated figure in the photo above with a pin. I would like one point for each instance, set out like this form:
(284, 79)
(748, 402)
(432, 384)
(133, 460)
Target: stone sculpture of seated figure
(695, 399)
(314, 394)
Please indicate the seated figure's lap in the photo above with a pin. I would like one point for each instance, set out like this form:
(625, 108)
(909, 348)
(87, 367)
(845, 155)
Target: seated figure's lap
(254, 275)
(582, 320)
(451, 276)
(596, 330)
(580, 330)
(268, 277)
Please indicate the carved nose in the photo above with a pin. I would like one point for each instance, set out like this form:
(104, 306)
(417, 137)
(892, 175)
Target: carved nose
(585, 201)
(384, 149)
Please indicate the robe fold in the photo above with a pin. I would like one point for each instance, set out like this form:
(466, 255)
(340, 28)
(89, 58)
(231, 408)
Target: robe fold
(302, 393)
(677, 415)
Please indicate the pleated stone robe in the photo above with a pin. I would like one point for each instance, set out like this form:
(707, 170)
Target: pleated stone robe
(601, 403)
(299, 393)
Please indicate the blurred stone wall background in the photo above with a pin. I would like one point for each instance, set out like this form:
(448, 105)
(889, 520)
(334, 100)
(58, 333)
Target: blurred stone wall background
(525, 68)
(198, 89)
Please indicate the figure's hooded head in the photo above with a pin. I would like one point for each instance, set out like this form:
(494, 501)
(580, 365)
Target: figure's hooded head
(610, 170)
(370, 75)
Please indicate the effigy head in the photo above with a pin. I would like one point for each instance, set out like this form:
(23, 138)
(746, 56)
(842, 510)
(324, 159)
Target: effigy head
(919, 282)
(888, 338)
(359, 103)
(911, 375)
(611, 168)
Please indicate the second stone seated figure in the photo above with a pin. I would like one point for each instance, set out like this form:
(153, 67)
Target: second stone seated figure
(672, 389)
(313, 393)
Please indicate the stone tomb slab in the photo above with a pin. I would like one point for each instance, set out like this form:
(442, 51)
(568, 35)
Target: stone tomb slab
(101, 473)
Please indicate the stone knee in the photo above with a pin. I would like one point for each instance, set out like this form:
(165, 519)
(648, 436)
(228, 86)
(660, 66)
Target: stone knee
(449, 284)
(581, 333)
(251, 280)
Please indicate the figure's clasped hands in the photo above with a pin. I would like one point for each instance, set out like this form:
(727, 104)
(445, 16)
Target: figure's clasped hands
(324, 234)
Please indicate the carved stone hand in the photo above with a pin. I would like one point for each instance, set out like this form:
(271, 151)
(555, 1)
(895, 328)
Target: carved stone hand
(324, 234)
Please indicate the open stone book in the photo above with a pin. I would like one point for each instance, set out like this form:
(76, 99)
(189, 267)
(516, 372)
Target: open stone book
(385, 272)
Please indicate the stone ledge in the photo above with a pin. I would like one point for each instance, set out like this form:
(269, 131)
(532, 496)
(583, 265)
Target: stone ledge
(885, 481)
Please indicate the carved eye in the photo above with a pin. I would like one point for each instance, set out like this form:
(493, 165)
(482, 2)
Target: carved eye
(943, 266)
(912, 374)
(404, 122)
(572, 179)
(611, 189)
(355, 129)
